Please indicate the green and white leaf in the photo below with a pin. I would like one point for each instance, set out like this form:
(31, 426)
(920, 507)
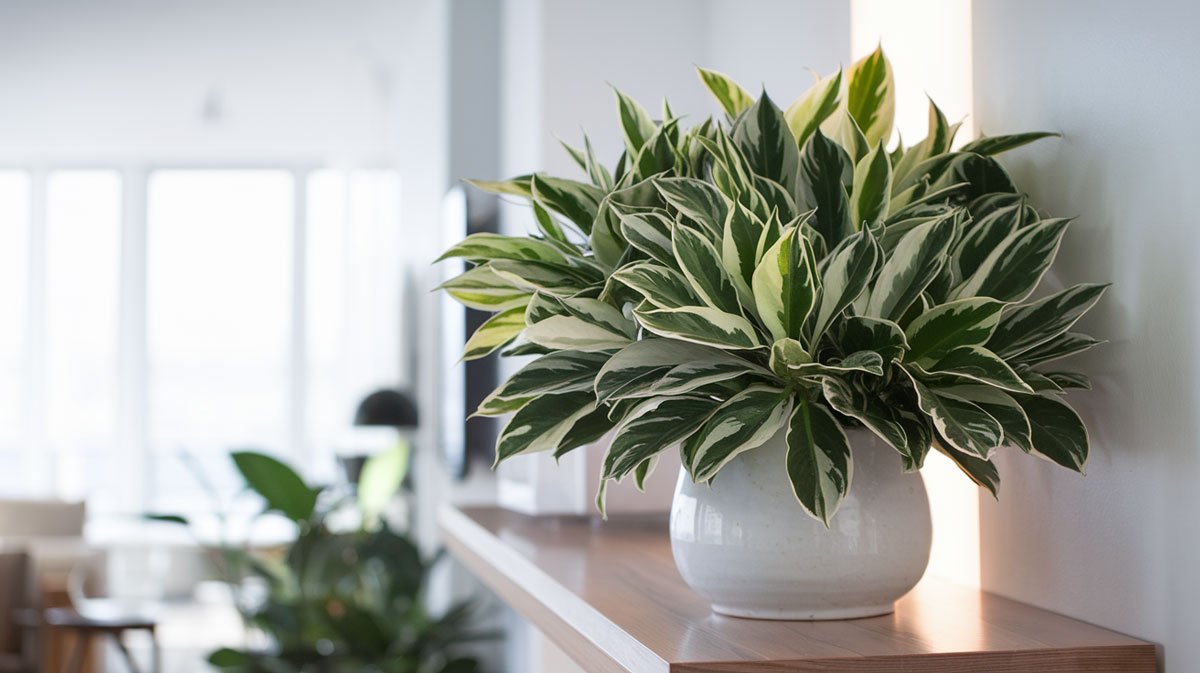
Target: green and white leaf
(660, 285)
(700, 325)
(1016, 266)
(554, 373)
(494, 333)
(913, 265)
(483, 289)
(785, 285)
(732, 97)
(542, 424)
(701, 264)
(826, 172)
(845, 275)
(805, 114)
(988, 145)
(964, 425)
(941, 329)
(745, 421)
(872, 189)
(1061, 346)
(696, 200)
(484, 247)
(979, 364)
(1024, 327)
(871, 96)
(1058, 433)
(819, 465)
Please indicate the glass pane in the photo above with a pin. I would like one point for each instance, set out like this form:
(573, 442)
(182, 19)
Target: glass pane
(218, 323)
(14, 274)
(83, 229)
(353, 289)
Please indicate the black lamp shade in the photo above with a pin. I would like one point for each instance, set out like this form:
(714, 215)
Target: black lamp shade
(387, 407)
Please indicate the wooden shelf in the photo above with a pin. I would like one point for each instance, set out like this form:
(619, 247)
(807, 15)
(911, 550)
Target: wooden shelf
(608, 594)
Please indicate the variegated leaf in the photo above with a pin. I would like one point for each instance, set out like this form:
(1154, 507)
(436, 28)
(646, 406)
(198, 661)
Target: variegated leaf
(642, 364)
(1067, 380)
(518, 186)
(1058, 433)
(964, 425)
(576, 201)
(982, 472)
(559, 372)
(938, 141)
(1024, 327)
(914, 264)
(872, 189)
(845, 275)
(743, 232)
(745, 421)
(732, 97)
(825, 174)
(661, 286)
(988, 145)
(785, 285)
(700, 325)
(979, 364)
(494, 333)
(859, 333)
(985, 235)
(1001, 406)
(636, 124)
(696, 200)
(907, 435)
(1016, 266)
(819, 465)
(1061, 346)
(484, 247)
(843, 130)
(481, 288)
(965, 322)
(567, 332)
(652, 427)
(807, 112)
(871, 97)
(553, 279)
(542, 424)
(649, 232)
(768, 144)
(701, 264)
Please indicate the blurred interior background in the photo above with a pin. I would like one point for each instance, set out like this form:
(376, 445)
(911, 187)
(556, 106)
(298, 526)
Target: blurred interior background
(217, 223)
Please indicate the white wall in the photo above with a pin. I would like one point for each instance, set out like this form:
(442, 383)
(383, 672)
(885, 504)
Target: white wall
(1119, 547)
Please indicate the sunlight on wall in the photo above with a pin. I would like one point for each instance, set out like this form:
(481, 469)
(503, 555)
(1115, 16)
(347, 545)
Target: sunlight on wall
(929, 44)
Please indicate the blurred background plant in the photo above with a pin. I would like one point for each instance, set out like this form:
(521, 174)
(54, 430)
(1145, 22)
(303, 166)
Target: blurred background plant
(348, 594)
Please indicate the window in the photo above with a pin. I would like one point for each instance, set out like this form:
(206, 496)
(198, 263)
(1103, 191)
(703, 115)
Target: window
(154, 320)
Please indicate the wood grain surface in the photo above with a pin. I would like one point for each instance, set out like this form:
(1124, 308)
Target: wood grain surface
(609, 595)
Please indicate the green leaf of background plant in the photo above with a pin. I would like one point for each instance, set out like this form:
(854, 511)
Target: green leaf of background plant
(732, 97)
(964, 322)
(913, 265)
(1024, 327)
(282, 489)
(745, 421)
(381, 477)
(871, 97)
(807, 112)
(818, 460)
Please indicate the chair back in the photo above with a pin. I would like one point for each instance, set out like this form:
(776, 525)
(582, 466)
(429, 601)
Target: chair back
(14, 594)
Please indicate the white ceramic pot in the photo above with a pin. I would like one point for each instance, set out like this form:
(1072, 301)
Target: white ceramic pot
(746, 545)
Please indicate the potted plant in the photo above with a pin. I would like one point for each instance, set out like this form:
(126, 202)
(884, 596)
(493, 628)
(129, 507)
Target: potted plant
(339, 598)
(795, 308)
